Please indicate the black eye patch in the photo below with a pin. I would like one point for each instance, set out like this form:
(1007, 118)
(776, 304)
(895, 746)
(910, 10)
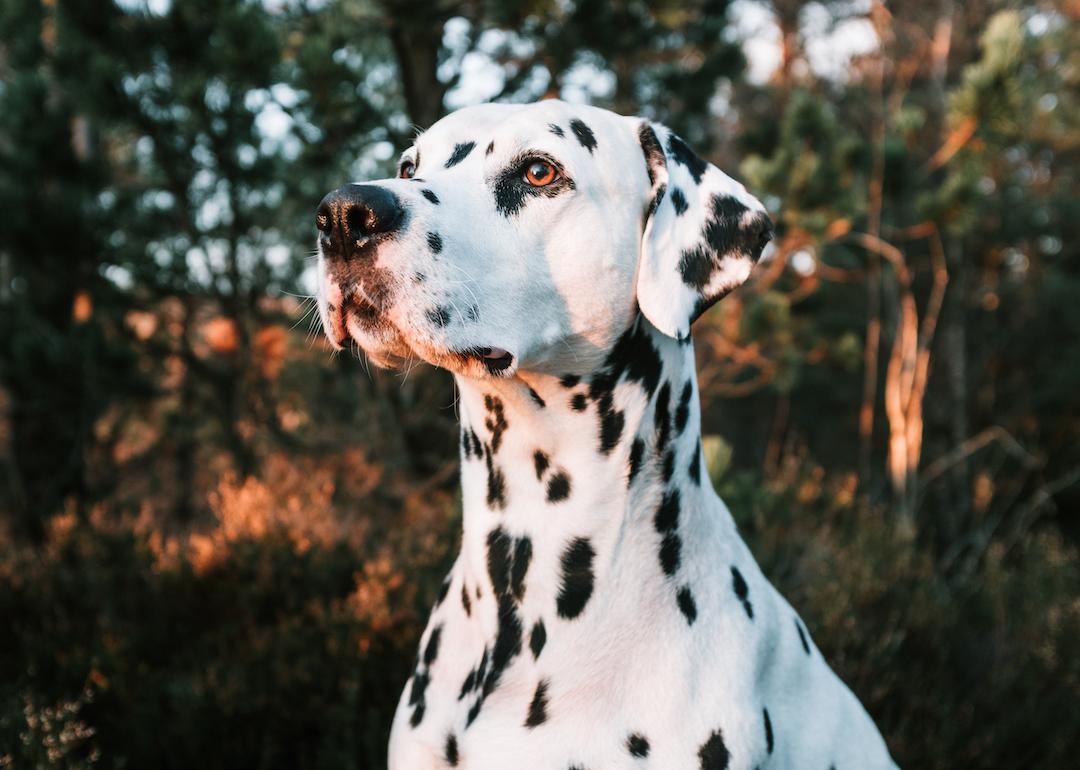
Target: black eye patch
(512, 191)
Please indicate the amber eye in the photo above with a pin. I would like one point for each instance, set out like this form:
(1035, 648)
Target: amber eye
(540, 173)
(407, 169)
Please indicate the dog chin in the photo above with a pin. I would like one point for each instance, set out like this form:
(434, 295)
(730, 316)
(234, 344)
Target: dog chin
(392, 349)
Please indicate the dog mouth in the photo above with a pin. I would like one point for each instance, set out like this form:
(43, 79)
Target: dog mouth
(357, 320)
(351, 315)
(495, 360)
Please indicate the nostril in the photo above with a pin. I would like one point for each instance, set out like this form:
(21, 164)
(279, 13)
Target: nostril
(360, 220)
(322, 219)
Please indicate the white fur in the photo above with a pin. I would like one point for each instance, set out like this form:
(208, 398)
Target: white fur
(556, 285)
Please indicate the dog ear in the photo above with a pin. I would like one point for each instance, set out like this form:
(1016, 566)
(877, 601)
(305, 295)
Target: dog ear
(703, 234)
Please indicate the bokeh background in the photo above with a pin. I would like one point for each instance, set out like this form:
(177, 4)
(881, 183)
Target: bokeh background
(218, 541)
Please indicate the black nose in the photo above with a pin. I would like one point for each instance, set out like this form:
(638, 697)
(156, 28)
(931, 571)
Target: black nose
(353, 218)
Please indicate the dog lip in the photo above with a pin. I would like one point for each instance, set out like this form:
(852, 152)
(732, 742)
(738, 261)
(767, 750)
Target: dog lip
(498, 363)
(495, 360)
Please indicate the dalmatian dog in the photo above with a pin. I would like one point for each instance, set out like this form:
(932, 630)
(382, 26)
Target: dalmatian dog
(603, 613)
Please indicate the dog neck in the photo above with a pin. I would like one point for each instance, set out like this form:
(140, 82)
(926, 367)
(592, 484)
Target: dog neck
(584, 476)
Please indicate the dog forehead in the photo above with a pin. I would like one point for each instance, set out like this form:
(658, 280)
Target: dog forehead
(509, 127)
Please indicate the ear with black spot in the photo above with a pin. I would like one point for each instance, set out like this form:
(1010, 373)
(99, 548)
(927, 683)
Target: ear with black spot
(703, 236)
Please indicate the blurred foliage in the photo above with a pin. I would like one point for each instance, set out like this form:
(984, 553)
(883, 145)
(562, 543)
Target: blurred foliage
(218, 542)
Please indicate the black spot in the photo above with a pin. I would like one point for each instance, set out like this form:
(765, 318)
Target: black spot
(418, 714)
(538, 638)
(508, 569)
(556, 130)
(713, 753)
(682, 412)
(802, 636)
(637, 451)
(695, 465)
(725, 233)
(474, 712)
(507, 575)
(768, 731)
(679, 152)
(579, 403)
(668, 468)
(584, 134)
(499, 544)
(496, 421)
(670, 553)
(440, 316)
(541, 463)
(637, 745)
(697, 266)
(466, 603)
(434, 242)
(466, 447)
(577, 578)
(739, 584)
(569, 380)
(490, 148)
(654, 153)
(520, 566)
(667, 523)
(419, 686)
(473, 313)
(538, 707)
(687, 604)
(478, 448)
(667, 514)
(459, 154)
(558, 487)
(654, 161)
(496, 483)
(678, 201)
(467, 685)
(430, 195)
(432, 650)
(536, 397)
(451, 750)
(662, 416)
(419, 277)
(742, 591)
(654, 204)
(481, 669)
(634, 356)
(611, 428)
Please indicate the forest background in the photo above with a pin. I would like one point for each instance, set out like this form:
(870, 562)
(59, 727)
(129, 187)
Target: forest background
(218, 541)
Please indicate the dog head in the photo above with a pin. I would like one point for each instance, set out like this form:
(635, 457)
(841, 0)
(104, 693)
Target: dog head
(527, 237)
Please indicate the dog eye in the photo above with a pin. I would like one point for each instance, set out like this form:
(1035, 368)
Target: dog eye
(540, 173)
(407, 170)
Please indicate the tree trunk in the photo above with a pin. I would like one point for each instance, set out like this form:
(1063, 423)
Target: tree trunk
(417, 51)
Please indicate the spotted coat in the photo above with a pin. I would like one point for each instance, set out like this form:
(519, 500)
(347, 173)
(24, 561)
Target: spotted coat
(603, 611)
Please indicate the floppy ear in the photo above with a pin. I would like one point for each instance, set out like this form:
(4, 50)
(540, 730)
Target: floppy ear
(703, 235)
